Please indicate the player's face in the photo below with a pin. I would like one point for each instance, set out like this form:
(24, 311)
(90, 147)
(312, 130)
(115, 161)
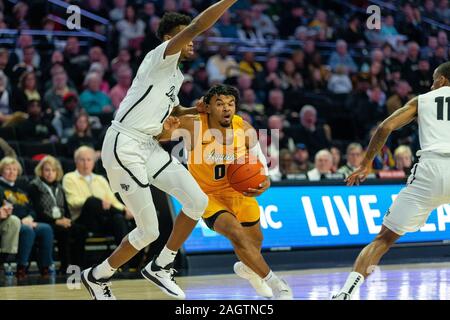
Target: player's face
(222, 109)
(188, 51)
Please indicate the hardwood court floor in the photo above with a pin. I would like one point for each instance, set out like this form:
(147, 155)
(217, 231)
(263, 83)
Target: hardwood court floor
(426, 281)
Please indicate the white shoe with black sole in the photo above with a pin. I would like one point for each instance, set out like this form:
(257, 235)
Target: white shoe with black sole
(98, 289)
(163, 278)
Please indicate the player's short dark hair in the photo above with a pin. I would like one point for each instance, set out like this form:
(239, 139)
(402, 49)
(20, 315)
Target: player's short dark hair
(222, 89)
(444, 70)
(170, 21)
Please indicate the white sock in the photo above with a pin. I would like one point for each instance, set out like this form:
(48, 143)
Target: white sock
(103, 271)
(271, 279)
(166, 257)
(354, 281)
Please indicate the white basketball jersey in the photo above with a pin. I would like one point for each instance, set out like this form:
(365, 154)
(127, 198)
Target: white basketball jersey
(152, 95)
(434, 121)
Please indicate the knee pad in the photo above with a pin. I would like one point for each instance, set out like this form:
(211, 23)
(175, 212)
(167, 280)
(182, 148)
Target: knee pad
(197, 207)
(142, 237)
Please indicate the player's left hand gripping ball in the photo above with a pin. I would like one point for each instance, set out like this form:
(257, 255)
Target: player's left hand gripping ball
(256, 192)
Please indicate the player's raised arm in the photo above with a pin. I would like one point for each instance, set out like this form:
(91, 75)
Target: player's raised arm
(201, 23)
(397, 120)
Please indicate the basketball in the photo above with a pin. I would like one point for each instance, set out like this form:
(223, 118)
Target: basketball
(243, 175)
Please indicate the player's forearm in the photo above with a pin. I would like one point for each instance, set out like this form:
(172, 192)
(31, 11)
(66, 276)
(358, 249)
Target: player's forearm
(376, 143)
(209, 17)
(180, 111)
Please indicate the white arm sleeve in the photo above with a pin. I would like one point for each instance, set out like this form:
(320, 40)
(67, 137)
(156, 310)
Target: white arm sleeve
(256, 151)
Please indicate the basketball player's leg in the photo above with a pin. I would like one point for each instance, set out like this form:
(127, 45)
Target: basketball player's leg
(408, 213)
(175, 180)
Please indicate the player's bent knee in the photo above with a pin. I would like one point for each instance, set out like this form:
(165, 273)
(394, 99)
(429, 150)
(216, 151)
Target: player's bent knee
(198, 206)
(140, 238)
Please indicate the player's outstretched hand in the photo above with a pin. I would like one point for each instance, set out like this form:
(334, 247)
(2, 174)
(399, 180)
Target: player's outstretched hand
(358, 176)
(256, 192)
(201, 106)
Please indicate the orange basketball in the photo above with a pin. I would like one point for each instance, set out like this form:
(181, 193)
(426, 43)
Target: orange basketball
(243, 175)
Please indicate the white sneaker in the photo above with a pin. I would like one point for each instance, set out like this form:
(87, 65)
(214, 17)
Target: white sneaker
(163, 279)
(282, 291)
(98, 289)
(341, 296)
(260, 286)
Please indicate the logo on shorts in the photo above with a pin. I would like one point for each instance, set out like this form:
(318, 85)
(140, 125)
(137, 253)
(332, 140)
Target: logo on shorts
(125, 187)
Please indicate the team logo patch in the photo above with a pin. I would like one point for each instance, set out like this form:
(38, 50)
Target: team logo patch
(124, 186)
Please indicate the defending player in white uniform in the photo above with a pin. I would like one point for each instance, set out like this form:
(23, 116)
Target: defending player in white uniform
(428, 186)
(134, 160)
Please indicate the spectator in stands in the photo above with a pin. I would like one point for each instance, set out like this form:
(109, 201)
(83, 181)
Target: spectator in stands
(315, 135)
(123, 59)
(98, 68)
(151, 40)
(276, 125)
(276, 104)
(9, 232)
(440, 56)
(50, 204)
(5, 99)
(301, 158)
(293, 14)
(119, 91)
(189, 91)
(319, 74)
(401, 96)
(322, 166)
(92, 99)
(271, 74)
(66, 117)
(249, 65)
(36, 127)
(342, 57)
(287, 164)
(320, 22)
(249, 35)
(388, 27)
(263, 22)
(75, 62)
(422, 79)
(118, 12)
(429, 9)
(252, 106)
(428, 51)
(403, 159)
(443, 11)
(442, 39)
(354, 158)
(411, 64)
(91, 201)
(218, 65)
(336, 154)
(340, 82)
(82, 135)
(226, 27)
(130, 27)
(353, 34)
(187, 9)
(53, 97)
(31, 232)
(26, 91)
(291, 79)
(5, 64)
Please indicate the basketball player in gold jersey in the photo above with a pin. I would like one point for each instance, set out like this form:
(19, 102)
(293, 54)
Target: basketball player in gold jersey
(215, 139)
